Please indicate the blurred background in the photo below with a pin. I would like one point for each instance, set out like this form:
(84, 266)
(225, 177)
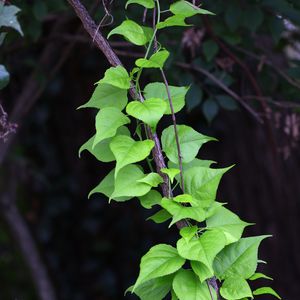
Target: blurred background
(244, 66)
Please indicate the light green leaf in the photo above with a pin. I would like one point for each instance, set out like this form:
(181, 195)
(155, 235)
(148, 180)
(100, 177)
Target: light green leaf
(173, 295)
(185, 198)
(153, 179)
(187, 9)
(201, 270)
(235, 288)
(212, 209)
(172, 172)
(180, 212)
(106, 95)
(150, 199)
(158, 90)
(266, 291)
(159, 261)
(102, 150)
(238, 259)
(156, 288)
(160, 217)
(146, 3)
(172, 21)
(127, 151)
(202, 183)
(188, 287)
(203, 249)
(196, 162)
(150, 111)
(106, 187)
(131, 31)
(4, 77)
(188, 232)
(8, 17)
(117, 76)
(157, 60)
(229, 223)
(259, 276)
(127, 185)
(189, 139)
(108, 120)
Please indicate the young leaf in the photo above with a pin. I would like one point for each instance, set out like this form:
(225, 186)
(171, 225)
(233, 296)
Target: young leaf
(229, 223)
(187, 9)
(188, 232)
(132, 32)
(158, 90)
(127, 185)
(202, 183)
(102, 150)
(8, 17)
(127, 151)
(157, 60)
(203, 249)
(118, 77)
(188, 287)
(160, 217)
(106, 95)
(259, 276)
(150, 111)
(189, 139)
(180, 212)
(108, 120)
(106, 187)
(172, 172)
(266, 291)
(159, 261)
(150, 199)
(153, 179)
(146, 3)
(235, 288)
(156, 288)
(239, 259)
(172, 21)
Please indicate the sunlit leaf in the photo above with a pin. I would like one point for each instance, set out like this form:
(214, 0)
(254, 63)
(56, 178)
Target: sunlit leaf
(157, 60)
(266, 291)
(146, 3)
(118, 77)
(187, 9)
(177, 20)
(150, 199)
(235, 288)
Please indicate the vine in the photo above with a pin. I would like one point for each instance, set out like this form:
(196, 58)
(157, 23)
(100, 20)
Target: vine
(211, 259)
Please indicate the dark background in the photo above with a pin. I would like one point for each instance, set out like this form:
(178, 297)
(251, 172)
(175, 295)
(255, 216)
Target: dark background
(92, 249)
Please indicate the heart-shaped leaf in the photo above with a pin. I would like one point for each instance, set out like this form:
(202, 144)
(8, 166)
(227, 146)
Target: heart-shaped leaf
(235, 288)
(116, 76)
(157, 60)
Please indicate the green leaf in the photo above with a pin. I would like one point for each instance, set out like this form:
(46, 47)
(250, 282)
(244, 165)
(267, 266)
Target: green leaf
(196, 162)
(102, 150)
(235, 288)
(8, 17)
(4, 77)
(127, 151)
(203, 249)
(118, 77)
(253, 17)
(202, 183)
(150, 111)
(158, 90)
(238, 259)
(189, 139)
(150, 199)
(210, 109)
(153, 179)
(194, 97)
(156, 288)
(256, 276)
(108, 120)
(266, 291)
(188, 287)
(180, 212)
(172, 172)
(233, 16)
(173, 295)
(185, 198)
(227, 102)
(159, 261)
(131, 31)
(160, 217)
(172, 21)
(157, 60)
(106, 187)
(106, 95)
(187, 9)
(127, 184)
(188, 232)
(146, 3)
(231, 225)
(210, 50)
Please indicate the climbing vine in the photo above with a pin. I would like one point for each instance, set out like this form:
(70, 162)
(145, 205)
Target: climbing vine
(210, 259)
